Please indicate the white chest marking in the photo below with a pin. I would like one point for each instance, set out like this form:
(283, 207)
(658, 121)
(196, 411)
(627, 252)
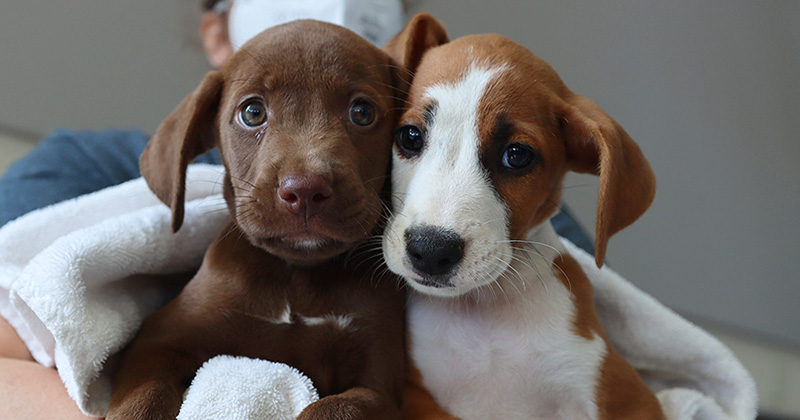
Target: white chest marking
(341, 321)
(513, 358)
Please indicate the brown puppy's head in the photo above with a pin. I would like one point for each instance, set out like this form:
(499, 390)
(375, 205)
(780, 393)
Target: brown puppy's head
(488, 135)
(303, 116)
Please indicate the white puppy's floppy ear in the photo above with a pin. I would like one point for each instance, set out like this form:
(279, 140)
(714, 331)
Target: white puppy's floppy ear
(189, 131)
(598, 145)
(422, 33)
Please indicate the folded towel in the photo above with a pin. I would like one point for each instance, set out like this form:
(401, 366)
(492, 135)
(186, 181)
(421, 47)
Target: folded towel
(239, 388)
(76, 282)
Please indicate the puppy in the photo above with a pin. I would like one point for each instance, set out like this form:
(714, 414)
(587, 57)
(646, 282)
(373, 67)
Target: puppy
(303, 116)
(502, 320)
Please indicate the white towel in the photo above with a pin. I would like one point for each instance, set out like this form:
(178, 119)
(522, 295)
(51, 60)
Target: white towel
(239, 388)
(70, 274)
(70, 285)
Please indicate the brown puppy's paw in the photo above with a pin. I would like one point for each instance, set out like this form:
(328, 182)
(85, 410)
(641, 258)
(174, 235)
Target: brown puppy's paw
(146, 403)
(355, 404)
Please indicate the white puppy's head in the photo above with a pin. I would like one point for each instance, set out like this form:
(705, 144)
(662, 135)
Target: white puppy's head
(488, 134)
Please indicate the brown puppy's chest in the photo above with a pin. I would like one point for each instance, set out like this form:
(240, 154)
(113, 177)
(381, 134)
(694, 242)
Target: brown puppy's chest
(321, 320)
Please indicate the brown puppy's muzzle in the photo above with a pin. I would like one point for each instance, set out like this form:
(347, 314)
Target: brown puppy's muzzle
(311, 199)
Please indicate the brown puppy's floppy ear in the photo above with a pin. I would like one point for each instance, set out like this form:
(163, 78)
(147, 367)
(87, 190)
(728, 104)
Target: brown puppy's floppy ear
(421, 33)
(598, 145)
(189, 131)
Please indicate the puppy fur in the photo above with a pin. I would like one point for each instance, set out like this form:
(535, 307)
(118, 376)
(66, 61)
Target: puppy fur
(303, 116)
(502, 323)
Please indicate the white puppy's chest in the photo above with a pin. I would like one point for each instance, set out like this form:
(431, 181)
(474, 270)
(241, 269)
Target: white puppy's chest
(514, 358)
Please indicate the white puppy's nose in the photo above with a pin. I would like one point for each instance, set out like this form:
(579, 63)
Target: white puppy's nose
(434, 252)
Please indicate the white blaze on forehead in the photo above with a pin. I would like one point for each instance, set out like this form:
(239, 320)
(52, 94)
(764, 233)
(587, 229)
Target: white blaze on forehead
(449, 171)
(446, 186)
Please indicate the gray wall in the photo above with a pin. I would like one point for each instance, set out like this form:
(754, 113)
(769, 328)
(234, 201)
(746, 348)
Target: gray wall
(709, 89)
(96, 63)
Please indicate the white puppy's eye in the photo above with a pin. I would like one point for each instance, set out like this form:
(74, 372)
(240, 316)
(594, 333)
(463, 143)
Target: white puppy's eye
(410, 140)
(362, 113)
(517, 157)
(254, 113)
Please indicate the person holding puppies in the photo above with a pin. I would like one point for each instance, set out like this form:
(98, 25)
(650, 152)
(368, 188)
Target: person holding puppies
(69, 164)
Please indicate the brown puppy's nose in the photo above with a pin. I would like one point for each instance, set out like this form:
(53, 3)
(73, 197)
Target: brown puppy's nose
(304, 194)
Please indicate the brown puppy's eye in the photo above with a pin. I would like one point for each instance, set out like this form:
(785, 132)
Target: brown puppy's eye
(254, 113)
(362, 113)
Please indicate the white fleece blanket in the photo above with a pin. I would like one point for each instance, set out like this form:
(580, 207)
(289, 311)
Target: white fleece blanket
(76, 282)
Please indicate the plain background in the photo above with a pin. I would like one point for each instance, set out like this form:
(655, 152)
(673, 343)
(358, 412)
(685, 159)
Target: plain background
(710, 91)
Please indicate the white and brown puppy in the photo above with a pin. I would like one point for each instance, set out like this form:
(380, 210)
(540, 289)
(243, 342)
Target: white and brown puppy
(502, 320)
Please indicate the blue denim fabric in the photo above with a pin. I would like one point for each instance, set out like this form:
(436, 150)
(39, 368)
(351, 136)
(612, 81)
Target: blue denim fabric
(68, 164)
(568, 227)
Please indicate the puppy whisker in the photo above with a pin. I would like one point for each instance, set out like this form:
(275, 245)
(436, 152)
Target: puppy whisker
(534, 245)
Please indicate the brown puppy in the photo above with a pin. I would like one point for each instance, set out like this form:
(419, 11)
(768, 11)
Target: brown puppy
(303, 117)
